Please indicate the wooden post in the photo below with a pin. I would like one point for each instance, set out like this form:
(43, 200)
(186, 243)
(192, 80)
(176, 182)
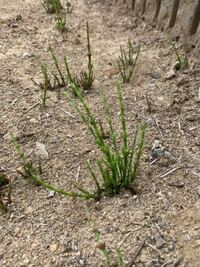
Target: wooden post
(158, 5)
(174, 13)
(144, 3)
(195, 20)
(133, 4)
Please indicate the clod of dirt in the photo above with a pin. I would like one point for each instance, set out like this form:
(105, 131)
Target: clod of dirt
(159, 151)
(41, 150)
(53, 247)
(170, 75)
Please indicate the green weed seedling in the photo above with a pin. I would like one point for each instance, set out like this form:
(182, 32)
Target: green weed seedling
(119, 163)
(46, 85)
(73, 79)
(61, 23)
(181, 61)
(52, 6)
(127, 61)
(86, 78)
(105, 251)
(60, 79)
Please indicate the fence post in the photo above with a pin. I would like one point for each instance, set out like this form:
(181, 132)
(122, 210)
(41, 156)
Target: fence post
(174, 13)
(133, 4)
(144, 3)
(158, 5)
(195, 20)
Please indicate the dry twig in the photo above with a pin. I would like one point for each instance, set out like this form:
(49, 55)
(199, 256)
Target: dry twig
(131, 262)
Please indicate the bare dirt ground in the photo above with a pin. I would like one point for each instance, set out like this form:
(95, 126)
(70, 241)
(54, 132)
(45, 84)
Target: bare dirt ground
(42, 231)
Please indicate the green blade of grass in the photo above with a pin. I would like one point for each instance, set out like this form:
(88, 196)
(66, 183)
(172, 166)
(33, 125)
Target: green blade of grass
(94, 177)
(57, 65)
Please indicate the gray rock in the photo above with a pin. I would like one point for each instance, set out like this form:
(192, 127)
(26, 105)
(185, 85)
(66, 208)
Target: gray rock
(171, 246)
(159, 240)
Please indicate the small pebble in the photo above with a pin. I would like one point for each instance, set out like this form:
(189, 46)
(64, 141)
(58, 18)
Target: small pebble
(14, 25)
(167, 154)
(33, 120)
(157, 152)
(82, 262)
(156, 263)
(171, 247)
(51, 194)
(26, 55)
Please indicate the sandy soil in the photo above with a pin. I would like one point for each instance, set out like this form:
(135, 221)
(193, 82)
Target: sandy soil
(42, 231)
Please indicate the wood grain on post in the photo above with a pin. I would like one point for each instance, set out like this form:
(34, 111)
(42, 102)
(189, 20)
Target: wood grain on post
(133, 4)
(195, 20)
(158, 5)
(144, 3)
(174, 13)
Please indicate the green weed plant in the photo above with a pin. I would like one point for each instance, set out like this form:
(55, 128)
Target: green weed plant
(127, 61)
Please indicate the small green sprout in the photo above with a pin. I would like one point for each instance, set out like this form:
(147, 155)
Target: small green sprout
(61, 23)
(181, 62)
(46, 85)
(127, 61)
(52, 6)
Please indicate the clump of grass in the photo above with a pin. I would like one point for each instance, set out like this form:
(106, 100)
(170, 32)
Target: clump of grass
(110, 260)
(47, 85)
(55, 7)
(84, 81)
(86, 78)
(127, 61)
(33, 174)
(181, 61)
(52, 6)
(59, 79)
(61, 23)
(119, 163)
